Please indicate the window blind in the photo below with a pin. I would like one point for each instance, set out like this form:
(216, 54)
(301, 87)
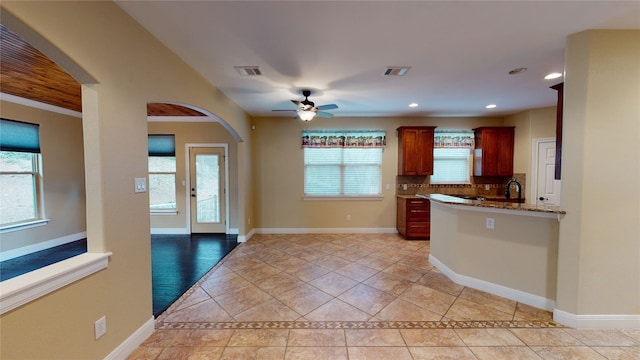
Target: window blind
(452, 156)
(162, 145)
(19, 136)
(335, 172)
(343, 163)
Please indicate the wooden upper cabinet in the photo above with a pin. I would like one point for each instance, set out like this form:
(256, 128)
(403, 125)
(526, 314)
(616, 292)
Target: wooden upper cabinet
(415, 150)
(493, 155)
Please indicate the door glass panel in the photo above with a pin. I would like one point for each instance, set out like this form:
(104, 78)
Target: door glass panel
(207, 188)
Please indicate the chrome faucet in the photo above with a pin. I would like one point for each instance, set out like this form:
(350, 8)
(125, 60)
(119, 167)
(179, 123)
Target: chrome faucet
(507, 193)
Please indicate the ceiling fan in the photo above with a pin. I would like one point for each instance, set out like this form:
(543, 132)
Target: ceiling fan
(307, 109)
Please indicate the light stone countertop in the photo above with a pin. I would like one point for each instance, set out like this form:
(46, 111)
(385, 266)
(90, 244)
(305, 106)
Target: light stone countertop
(494, 205)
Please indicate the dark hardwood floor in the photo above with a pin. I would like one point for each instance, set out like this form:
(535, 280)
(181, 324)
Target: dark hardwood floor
(24, 264)
(177, 261)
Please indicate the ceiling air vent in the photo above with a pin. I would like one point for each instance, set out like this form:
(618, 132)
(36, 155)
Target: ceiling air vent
(396, 70)
(248, 70)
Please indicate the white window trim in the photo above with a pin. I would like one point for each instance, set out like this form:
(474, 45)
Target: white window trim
(23, 225)
(40, 218)
(346, 197)
(25, 288)
(165, 212)
(170, 211)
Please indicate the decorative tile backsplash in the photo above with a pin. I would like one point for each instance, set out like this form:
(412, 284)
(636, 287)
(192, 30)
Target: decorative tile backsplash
(491, 187)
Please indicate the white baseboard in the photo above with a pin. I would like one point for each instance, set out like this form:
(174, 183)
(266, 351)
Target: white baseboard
(245, 238)
(26, 250)
(326, 231)
(132, 342)
(500, 290)
(602, 321)
(233, 231)
(170, 231)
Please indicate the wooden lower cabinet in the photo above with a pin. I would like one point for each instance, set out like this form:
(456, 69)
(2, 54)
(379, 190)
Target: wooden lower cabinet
(413, 220)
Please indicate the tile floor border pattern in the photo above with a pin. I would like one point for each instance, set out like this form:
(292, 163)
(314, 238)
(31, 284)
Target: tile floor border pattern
(160, 324)
(358, 325)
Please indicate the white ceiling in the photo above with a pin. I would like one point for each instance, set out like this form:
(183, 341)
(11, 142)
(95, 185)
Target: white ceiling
(460, 52)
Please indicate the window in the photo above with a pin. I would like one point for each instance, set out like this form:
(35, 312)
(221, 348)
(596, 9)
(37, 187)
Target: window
(162, 173)
(452, 157)
(20, 173)
(343, 163)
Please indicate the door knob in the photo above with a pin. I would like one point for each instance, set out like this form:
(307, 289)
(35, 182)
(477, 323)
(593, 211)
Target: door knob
(542, 198)
(193, 195)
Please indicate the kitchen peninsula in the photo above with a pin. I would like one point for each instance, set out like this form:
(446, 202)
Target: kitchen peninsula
(508, 249)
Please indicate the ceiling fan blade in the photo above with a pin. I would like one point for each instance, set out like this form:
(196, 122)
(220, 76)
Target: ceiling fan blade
(327, 107)
(324, 114)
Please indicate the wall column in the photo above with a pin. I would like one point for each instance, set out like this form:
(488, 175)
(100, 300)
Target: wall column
(599, 247)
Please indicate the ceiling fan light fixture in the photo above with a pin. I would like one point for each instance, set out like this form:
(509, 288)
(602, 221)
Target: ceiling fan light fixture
(306, 115)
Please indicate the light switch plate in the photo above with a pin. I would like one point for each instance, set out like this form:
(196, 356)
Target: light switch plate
(140, 185)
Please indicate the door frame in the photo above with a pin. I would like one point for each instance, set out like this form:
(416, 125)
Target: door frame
(225, 151)
(532, 185)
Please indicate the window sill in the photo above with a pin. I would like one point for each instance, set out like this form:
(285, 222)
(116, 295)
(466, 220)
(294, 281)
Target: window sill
(348, 198)
(163, 212)
(23, 226)
(25, 288)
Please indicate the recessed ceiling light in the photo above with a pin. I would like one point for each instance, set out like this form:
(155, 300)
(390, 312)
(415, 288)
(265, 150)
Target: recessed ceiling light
(551, 76)
(491, 106)
(413, 105)
(517, 70)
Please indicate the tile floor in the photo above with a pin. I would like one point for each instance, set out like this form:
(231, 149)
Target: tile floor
(358, 296)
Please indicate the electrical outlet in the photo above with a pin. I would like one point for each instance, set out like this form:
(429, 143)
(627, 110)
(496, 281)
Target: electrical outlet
(491, 222)
(404, 186)
(348, 217)
(100, 327)
(487, 187)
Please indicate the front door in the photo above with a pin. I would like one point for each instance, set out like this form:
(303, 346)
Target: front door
(206, 174)
(548, 189)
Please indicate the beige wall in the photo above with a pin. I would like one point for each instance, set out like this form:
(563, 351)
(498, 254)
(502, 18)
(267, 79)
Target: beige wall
(599, 257)
(131, 68)
(196, 133)
(519, 253)
(279, 179)
(63, 171)
(530, 124)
